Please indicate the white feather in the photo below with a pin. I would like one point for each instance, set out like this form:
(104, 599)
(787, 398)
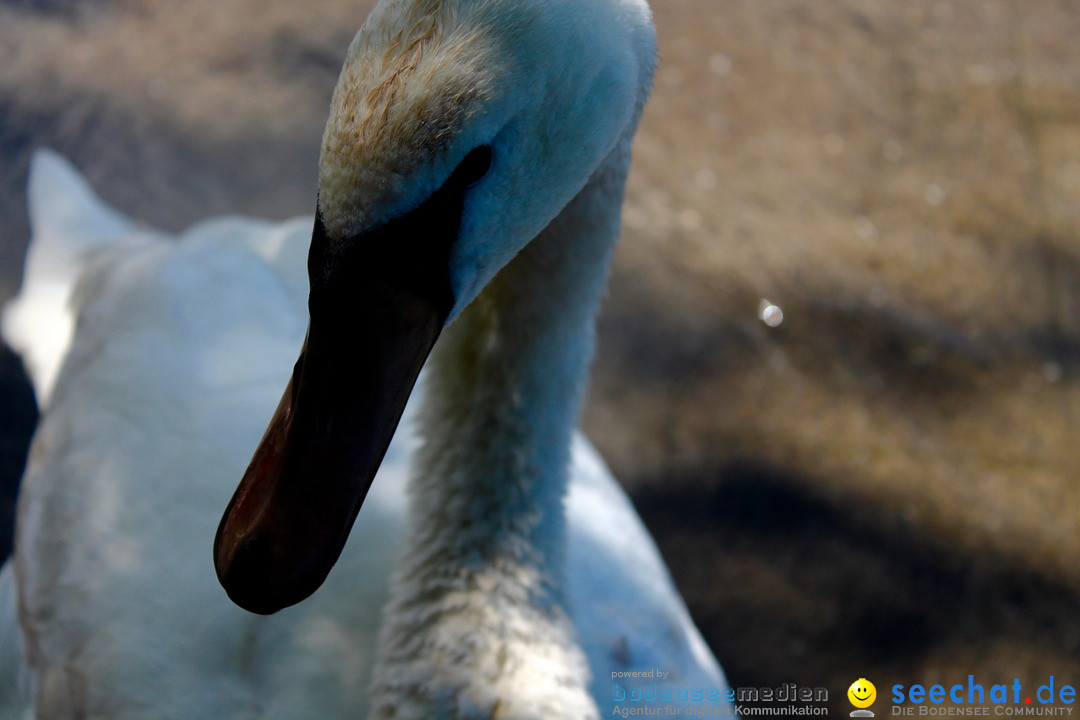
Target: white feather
(69, 222)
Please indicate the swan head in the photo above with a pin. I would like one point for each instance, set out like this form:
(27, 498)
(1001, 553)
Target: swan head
(458, 130)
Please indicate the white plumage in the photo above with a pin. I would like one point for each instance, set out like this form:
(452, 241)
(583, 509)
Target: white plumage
(180, 350)
(121, 560)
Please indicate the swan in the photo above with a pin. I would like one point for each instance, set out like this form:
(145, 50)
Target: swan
(471, 177)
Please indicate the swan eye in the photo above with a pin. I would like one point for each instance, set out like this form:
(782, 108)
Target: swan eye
(475, 165)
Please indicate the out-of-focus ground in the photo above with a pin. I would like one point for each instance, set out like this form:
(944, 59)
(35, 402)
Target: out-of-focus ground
(882, 486)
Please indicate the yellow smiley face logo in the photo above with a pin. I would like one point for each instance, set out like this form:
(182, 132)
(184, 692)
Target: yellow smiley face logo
(862, 693)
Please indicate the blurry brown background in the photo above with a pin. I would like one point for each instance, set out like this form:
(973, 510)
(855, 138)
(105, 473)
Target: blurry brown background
(882, 486)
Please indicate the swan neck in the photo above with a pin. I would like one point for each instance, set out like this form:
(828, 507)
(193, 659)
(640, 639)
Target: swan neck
(504, 395)
(477, 611)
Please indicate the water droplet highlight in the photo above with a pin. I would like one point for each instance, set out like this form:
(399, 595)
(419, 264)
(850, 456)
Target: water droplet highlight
(770, 314)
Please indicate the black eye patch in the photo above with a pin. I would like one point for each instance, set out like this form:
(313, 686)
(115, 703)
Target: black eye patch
(474, 166)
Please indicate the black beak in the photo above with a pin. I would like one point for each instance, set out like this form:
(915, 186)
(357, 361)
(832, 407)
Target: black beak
(378, 303)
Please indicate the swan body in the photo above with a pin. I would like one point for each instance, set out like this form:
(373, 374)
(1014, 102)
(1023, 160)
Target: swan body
(494, 568)
(115, 582)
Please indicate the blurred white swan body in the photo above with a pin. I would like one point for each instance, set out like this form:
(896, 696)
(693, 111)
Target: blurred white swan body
(181, 349)
(512, 588)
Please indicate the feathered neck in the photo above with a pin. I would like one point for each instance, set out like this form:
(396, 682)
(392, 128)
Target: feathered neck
(478, 618)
